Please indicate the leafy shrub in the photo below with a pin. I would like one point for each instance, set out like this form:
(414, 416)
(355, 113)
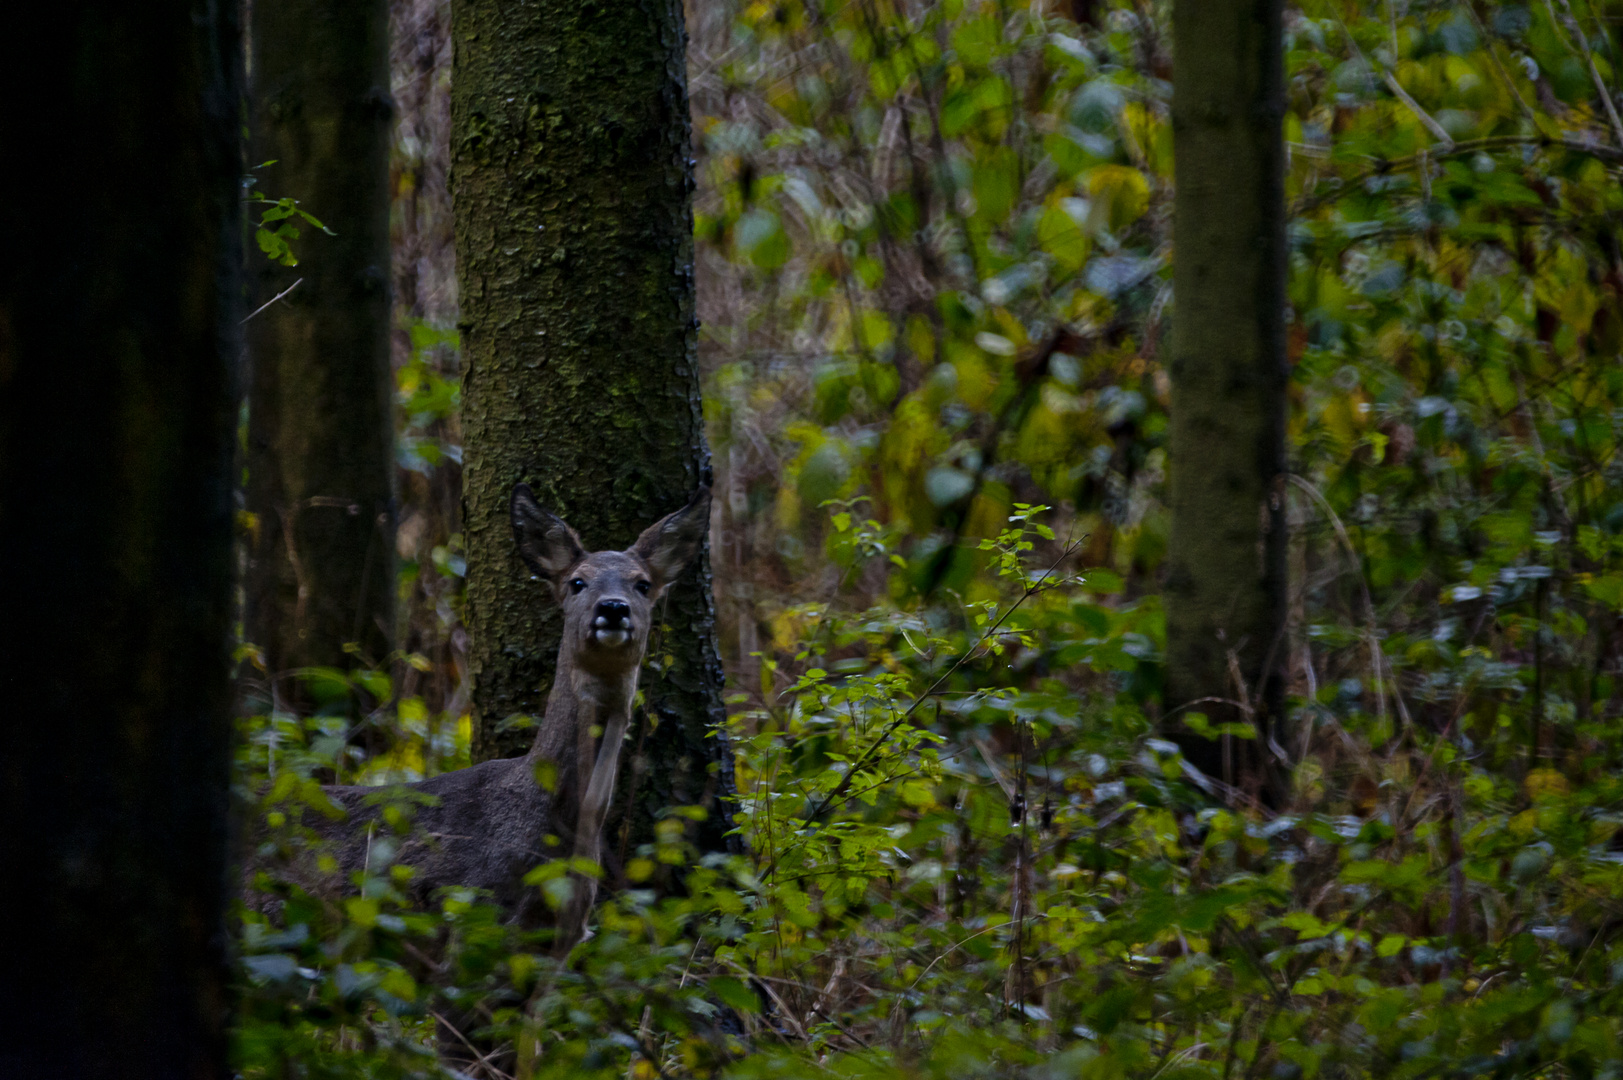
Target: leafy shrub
(934, 244)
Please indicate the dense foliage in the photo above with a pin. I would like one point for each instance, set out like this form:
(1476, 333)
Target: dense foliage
(934, 256)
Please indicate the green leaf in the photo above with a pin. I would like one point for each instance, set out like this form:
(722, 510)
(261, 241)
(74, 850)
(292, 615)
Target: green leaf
(734, 994)
(759, 236)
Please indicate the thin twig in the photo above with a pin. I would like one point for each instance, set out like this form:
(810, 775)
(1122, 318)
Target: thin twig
(1241, 1012)
(1510, 84)
(997, 774)
(955, 947)
(618, 1016)
(843, 1030)
(827, 993)
(472, 1049)
(1185, 1054)
(1594, 72)
(1377, 657)
(271, 301)
(1392, 84)
(783, 1006)
(856, 766)
(1470, 146)
(1280, 994)
(1437, 130)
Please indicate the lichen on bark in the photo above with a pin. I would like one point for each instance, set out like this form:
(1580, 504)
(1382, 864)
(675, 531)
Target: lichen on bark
(571, 181)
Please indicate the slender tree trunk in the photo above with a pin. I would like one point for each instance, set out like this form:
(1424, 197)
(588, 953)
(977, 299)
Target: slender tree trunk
(320, 410)
(571, 183)
(120, 296)
(425, 299)
(1225, 590)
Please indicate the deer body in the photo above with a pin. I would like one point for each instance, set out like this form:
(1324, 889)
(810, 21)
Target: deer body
(488, 825)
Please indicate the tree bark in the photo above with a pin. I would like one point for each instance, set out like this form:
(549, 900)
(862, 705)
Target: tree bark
(1226, 580)
(120, 296)
(321, 414)
(571, 183)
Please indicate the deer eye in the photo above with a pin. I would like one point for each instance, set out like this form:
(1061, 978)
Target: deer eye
(642, 587)
(577, 585)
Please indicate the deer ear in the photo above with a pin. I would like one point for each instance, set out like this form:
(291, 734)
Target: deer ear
(548, 545)
(673, 541)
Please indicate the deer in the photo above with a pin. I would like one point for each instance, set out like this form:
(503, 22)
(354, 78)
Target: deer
(488, 825)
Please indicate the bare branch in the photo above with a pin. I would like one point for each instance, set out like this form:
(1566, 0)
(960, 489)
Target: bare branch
(271, 301)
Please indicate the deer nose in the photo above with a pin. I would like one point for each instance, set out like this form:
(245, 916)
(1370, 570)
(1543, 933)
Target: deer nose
(613, 615)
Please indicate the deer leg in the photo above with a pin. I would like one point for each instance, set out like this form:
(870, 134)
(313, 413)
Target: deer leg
(594, 808)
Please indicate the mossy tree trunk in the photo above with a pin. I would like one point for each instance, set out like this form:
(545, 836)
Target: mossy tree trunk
(1225, 588)
(320, 410)
(571, 183)
(120, 296)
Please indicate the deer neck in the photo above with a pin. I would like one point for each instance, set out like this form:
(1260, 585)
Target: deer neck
(580, 701)
(605, 696)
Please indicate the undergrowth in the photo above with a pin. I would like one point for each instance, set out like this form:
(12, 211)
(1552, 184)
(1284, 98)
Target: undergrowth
(970, 855)
(933, 248)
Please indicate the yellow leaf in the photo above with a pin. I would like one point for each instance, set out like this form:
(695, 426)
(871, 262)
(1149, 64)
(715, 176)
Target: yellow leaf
(1546, 784)
(1122, 191)
(1061, 235)
(362, 910)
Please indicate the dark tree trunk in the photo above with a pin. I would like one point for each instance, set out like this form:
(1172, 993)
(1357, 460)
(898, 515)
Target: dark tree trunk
(120, 296)
(1225, 589)
(320, 402)
(571, 183)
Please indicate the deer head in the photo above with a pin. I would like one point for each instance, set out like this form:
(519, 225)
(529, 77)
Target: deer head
(607, 597)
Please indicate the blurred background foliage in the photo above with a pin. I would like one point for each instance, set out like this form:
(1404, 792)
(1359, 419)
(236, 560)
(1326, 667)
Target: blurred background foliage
(934, 252)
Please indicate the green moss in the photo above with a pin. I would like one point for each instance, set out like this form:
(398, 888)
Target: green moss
(571, 182)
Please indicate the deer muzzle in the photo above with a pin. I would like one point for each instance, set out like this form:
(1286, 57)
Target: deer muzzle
(611, 625)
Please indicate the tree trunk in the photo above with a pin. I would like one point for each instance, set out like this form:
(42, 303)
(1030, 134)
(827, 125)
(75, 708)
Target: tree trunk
(1225, 589)
(120, 296)
(571, 183)
(321, 416)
